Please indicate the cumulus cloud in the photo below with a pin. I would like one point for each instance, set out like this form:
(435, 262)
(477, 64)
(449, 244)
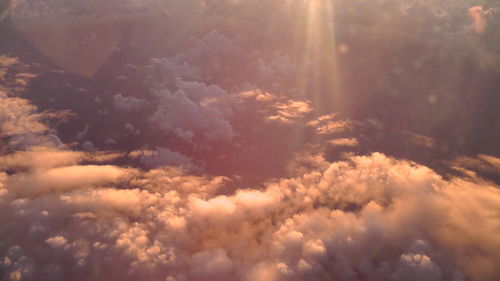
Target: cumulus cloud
(276, 108)
(330, 124)
(366, 217)
(278, 66)
(188, 106)
(194, 110)
(22, 126)
(213, 44)
(344, 142)
(63, 178)
(89, 146)
(89, 216)
(19, 117)
(290, 111)
(165, 71)
(164, 157)
(128, 104)
(40, 158)
(130, 129)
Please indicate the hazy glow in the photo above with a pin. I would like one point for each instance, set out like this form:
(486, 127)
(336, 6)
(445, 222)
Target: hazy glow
(249, 140)
(318, 50)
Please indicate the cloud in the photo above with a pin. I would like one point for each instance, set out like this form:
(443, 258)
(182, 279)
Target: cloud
(128, 104)
(274, 107)
(479, 17)
(63, 179)
(40, 158)
(22, 126)
(290, 111)
(329, 124)
(195, 111)
(278, 66)
(56, 241)
(213, 43)
(369, 216)
(165, 71)
(89, 216)
(481, 164)
(188, 106)
(130, 129)
(89, 146)
(165, 157)
(344, 142)
(19, 117)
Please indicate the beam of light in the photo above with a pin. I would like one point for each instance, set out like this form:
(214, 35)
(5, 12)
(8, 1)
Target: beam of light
(317, 50)
(6, 7)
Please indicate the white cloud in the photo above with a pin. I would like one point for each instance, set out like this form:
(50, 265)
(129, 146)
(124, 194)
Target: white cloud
(195, 110)
(63, 179)
(276, 108)
(56, 241)
(366, 216)
(330, 124)
(19, 117)
(128, 104)
(344, 142)
(40, 158)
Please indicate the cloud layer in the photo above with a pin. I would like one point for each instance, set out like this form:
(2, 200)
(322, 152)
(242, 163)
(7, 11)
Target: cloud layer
(365, 218)
(251, 89)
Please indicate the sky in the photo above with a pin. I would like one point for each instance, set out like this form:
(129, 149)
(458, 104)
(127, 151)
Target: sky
(250, 140)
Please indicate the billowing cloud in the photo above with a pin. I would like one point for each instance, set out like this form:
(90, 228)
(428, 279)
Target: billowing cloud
(128, 104)
(369, 216)
(18, 117)
(22, 126)
(194, 110)
(235, 88)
